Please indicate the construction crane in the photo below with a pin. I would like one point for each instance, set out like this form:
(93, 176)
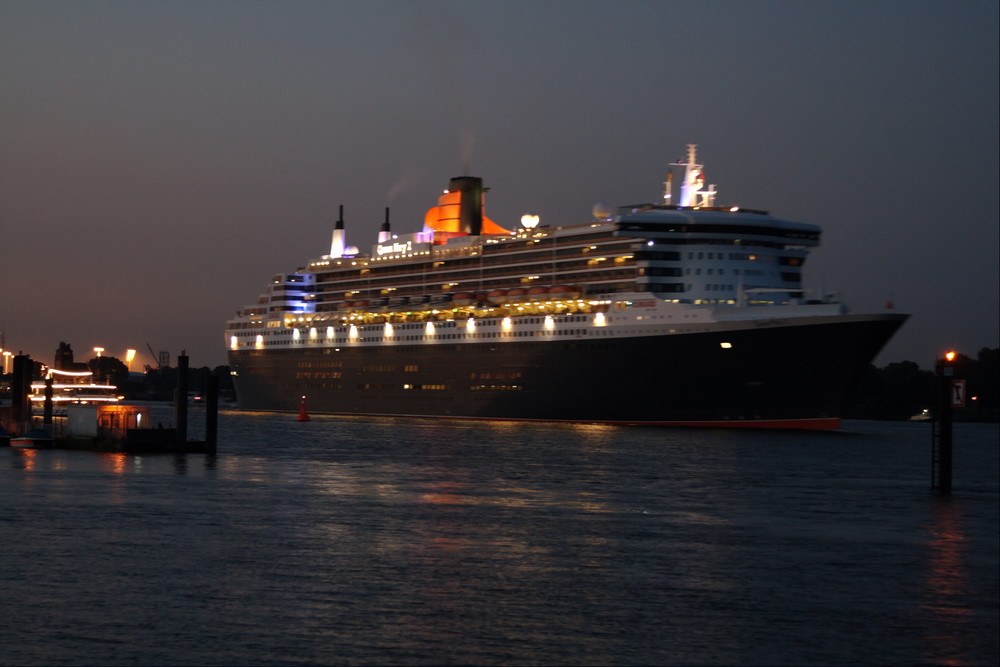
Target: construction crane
(162, 359)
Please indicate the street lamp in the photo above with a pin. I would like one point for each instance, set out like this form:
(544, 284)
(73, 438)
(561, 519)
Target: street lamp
(98, 350)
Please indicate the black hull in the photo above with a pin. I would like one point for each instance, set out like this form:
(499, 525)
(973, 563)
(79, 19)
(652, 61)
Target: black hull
(790, 374)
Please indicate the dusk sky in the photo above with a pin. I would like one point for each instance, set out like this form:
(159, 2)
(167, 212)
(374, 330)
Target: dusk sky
(161, 161)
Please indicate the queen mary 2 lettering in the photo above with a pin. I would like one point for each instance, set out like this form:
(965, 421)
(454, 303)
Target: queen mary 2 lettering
(676, 312)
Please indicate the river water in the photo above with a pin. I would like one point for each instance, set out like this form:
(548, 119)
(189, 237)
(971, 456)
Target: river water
(391, 541)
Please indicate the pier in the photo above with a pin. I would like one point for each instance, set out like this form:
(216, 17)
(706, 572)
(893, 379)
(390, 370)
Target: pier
(115, 427)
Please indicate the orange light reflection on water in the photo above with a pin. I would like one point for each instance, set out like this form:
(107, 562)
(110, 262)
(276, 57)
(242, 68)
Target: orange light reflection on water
(947, 586)
(28, 457)
(115, 461)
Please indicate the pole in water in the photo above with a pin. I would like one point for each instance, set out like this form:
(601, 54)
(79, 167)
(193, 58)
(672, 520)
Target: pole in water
(180, 404)
(941, 438)
(47, 407)
(211, 412)
(303, 415)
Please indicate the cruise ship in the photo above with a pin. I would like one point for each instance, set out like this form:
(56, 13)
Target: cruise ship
(674, 312)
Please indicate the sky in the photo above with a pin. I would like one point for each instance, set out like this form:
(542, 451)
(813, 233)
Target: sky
(161, 160)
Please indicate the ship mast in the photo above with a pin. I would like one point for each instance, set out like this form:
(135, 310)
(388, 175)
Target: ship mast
(693, 190)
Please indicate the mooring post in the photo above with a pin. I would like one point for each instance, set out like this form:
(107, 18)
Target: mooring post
(20, 388)
(181, 402)
(211, 411)
(941, 437)
(47, 412)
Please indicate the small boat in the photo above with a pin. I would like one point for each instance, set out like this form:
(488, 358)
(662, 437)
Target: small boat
(922, 416)
(35, 438)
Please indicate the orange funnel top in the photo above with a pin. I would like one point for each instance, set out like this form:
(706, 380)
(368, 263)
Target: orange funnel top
(460, 212)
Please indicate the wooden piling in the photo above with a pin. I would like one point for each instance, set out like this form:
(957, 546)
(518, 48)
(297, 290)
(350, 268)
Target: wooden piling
(47, 412)
(211, 412)
(20, 388)
(181, 402)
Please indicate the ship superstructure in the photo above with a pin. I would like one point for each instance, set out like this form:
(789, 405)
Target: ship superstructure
(661, 313)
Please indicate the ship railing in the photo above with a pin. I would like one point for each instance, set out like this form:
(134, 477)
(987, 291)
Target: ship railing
(515, 309)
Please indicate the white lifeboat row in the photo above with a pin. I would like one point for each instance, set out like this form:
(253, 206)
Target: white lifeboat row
(461, 299)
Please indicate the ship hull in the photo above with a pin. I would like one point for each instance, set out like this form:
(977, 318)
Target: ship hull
(769, 374)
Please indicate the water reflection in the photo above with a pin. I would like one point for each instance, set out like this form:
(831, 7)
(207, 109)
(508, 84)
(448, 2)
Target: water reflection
(947, 585)
(114, 462)
(363, 541)
(24, 459)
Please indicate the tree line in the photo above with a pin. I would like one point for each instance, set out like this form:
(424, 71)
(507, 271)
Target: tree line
(158, 384)
(901, 390)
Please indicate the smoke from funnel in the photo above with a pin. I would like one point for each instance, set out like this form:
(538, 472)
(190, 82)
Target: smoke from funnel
(402, 184)
(467, 142)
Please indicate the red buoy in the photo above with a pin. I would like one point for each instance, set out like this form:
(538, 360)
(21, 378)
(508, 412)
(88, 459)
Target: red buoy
(303, 415)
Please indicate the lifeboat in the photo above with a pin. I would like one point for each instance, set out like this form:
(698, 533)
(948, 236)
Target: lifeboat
(418, 300)
(516, 293)
(438, 299)
(564, 292)
(397, 301)
(360, 305)
(497, 296)
(345, 305)
(538, 292)
(464, 299)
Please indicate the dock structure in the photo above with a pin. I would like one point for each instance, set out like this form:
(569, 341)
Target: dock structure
(114, 427)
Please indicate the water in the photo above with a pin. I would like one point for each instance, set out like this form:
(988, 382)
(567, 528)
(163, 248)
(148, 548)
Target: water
(360, 541)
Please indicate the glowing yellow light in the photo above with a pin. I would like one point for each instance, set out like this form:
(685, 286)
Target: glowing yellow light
(470, 325)
(388, 330)
(429, 329)
(550, 324)
(53, 371)
(259, 342)
(950, 355)
(329, 332)
(600, 320)
(725, 346)
(506, 324)
(353, 332)
(233, 343)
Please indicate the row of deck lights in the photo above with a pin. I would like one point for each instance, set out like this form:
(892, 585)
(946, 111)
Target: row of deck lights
(506, 325)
